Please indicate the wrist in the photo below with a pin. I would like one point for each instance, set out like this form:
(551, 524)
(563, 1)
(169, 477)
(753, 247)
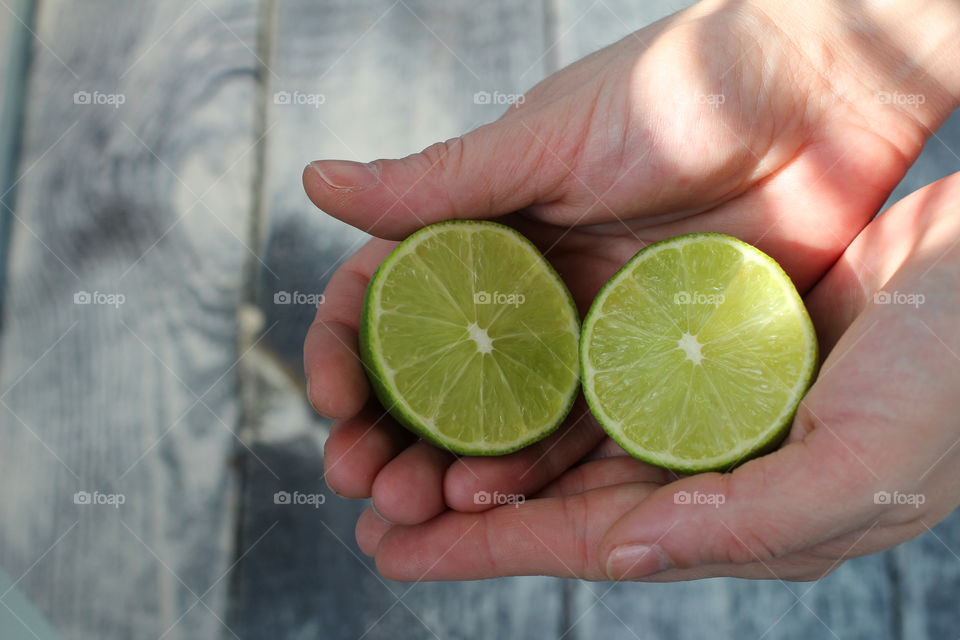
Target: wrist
(888, 58)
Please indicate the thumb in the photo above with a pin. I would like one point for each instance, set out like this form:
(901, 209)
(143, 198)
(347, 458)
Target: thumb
(803, 494)
(491, 171)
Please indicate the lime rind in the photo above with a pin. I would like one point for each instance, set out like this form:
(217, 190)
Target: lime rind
(381, 375)
(766, 439)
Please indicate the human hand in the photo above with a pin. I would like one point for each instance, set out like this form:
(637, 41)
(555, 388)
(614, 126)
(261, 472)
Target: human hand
(600, 160)
(871, 460)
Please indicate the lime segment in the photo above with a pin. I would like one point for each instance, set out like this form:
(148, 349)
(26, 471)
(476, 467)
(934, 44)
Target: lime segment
(470, 338)
(696, 354)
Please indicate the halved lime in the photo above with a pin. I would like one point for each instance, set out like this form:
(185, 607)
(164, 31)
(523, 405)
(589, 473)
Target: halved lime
(470, 338)
(696, 354)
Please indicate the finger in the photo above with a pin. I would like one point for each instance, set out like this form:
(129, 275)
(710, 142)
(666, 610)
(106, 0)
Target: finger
(358, 448)
(487, 172)
(812, 564)
(550, 536)
(336, 384)
(604, 472)
(409, 489)
(608, 448)
(764, 510)
(370, 528)
(877, 254)
(526, 471)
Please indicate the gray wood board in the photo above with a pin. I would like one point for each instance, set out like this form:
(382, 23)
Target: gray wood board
(104, 399)
(395, 77)
(16, 16)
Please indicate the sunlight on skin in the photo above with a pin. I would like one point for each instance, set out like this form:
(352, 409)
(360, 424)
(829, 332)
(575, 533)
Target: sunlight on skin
(634, 144)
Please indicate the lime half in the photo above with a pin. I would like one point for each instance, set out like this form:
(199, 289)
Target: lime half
(470, 338)
(696, 353)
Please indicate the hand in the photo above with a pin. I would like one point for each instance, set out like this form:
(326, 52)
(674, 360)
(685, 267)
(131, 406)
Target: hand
(601, 159)
(871, 460)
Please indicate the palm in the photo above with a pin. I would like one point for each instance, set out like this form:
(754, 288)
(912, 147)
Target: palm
(624, 148)
(597, 494)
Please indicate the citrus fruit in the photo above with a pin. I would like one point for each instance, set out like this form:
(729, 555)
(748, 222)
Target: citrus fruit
(696, 354)
(470, 338)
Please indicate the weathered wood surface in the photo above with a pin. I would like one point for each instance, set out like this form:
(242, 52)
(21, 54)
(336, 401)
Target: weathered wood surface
(394, 78)
(97, 398)
(15, 37)
(138, 400)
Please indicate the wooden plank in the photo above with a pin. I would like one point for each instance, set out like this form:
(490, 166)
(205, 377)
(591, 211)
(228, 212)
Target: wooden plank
(395, 77)
(581, 27)
(99, 398)
(927, 572)
(851, 602)
(940, 158)
(15, 19)
(375, 83)
(308, 578)
(19, 619)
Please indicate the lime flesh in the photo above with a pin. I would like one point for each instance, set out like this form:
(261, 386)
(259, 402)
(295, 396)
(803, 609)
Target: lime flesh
(696, 354)
(470, 338)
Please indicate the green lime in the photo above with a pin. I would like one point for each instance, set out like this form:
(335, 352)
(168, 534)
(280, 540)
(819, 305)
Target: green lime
(470, 338)
(696, 354)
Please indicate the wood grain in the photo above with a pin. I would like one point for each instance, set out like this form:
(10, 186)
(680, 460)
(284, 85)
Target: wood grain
(103, 398)
(395, 77)
(143, 400)
(15, 19)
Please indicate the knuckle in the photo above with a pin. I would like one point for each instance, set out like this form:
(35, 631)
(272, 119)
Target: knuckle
(575, 516)
(444, 157)
(745, 547)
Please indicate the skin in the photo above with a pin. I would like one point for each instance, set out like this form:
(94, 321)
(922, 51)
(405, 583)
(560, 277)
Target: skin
(632, 145)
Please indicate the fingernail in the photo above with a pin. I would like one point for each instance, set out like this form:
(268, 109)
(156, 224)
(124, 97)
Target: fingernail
(346, 175)
(374, 507)
(632, 561)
